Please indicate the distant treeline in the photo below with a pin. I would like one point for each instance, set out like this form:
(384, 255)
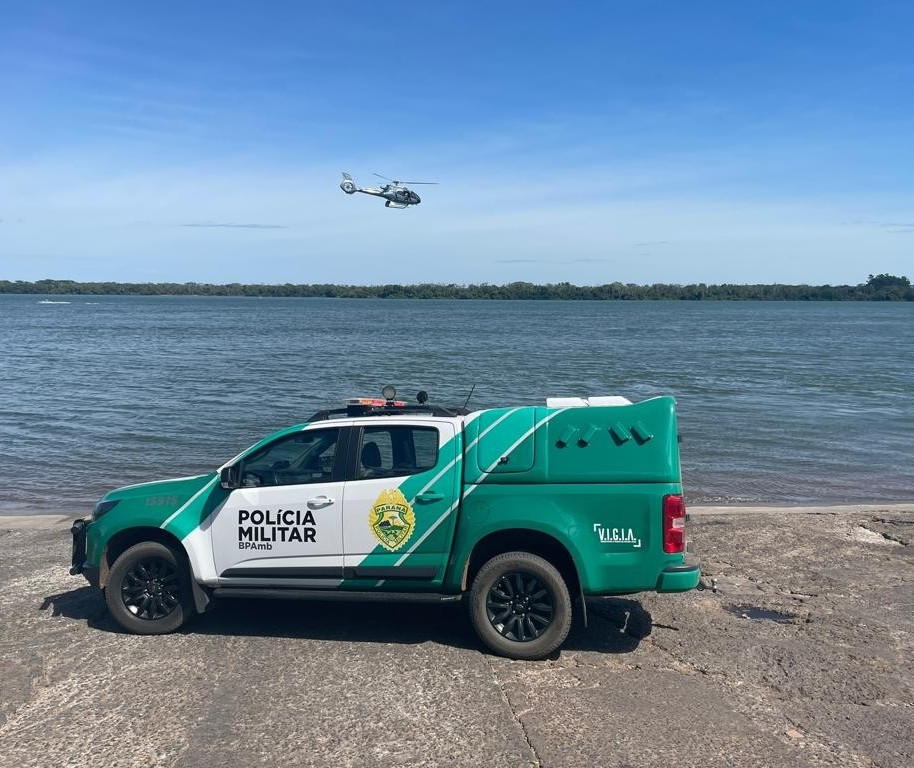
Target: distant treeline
(876, 288)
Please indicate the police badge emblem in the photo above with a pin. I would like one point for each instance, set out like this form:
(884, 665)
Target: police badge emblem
(392, 519)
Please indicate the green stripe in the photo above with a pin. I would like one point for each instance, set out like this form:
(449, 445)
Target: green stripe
(519, 437)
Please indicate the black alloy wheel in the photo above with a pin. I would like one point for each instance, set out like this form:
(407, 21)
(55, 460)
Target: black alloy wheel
(520, 607)
(149, 589)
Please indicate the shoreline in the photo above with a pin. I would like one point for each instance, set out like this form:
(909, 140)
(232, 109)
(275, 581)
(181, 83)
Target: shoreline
(50, 520)
(877, 288)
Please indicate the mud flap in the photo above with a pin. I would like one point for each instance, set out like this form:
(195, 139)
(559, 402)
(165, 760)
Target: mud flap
(201, 596)
(583, 604)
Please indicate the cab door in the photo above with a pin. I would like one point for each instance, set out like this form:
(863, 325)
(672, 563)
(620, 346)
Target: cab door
(284, 526)
(400, 503)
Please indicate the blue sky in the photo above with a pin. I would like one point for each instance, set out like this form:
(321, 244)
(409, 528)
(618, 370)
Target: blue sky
(589, 142)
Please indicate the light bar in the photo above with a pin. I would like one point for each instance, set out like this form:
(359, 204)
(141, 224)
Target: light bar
(373, 401)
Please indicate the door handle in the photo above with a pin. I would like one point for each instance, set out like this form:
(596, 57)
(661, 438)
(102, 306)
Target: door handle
(318, 502)
(429, 496)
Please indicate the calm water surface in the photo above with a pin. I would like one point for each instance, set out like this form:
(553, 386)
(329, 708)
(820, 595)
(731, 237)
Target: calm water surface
(779, 402)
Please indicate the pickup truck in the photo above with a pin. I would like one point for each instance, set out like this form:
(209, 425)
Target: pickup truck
(520, 511)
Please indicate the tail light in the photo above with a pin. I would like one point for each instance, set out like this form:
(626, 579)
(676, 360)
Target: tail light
(674, 519)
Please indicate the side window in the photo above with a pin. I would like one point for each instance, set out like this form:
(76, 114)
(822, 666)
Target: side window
(425, 442)
(304, 457)
(397, 451)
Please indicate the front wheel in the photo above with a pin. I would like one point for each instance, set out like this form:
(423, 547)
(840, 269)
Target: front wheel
(148, 590)
(520, 606)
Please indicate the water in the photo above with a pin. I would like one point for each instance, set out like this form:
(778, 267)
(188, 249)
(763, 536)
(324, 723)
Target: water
(779, 402)
(744, 611)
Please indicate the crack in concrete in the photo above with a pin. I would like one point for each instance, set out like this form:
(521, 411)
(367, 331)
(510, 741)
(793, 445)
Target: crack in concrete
(686, 665)
(537, 761)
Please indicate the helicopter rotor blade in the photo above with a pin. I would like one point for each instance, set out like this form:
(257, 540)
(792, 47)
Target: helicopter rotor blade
(397, 181)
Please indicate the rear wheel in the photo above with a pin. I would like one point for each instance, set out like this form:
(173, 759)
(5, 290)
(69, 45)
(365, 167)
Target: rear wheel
(520, 606)
(148, 589)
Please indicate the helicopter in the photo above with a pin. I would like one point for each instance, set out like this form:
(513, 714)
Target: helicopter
(395, 193)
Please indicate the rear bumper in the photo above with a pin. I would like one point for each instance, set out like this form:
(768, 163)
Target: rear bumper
(679, 578)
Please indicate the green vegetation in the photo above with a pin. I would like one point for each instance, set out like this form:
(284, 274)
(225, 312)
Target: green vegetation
(876, 288)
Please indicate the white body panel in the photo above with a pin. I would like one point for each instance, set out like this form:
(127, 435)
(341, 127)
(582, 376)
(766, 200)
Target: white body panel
(578, 402)
(200, 552)
(437, 491)
(225, 545)
(248, 530)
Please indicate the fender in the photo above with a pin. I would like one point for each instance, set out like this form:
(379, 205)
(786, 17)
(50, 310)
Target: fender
(486, 514)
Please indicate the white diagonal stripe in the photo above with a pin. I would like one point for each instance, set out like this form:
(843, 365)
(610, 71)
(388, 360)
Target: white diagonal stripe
(470, 490)
(190, 501)
(451, 463)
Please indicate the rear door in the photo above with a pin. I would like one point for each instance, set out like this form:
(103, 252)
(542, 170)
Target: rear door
(400, 503)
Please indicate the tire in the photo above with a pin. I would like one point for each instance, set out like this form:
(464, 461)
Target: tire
(520, 606)
(148, 590)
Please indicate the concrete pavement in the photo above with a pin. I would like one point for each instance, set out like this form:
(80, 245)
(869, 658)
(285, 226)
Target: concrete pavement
(800, 655)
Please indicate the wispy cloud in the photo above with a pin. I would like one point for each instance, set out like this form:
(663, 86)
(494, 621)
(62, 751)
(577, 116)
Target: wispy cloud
(236, 226)
(899, 228)
(86, 213)
(551, 261)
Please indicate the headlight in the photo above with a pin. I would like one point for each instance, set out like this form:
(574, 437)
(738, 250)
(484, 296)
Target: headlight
(104, 506)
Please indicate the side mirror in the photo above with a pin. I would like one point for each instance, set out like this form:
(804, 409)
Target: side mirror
(229, 477)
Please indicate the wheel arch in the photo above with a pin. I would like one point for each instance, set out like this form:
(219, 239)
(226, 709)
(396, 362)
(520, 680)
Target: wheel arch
(522, 540)
(123, 540)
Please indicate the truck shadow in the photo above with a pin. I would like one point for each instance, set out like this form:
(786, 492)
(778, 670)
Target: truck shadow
(616, 625)
(84, 604)
(359, 622)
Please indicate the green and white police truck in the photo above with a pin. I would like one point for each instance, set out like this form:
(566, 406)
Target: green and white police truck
(521, 511)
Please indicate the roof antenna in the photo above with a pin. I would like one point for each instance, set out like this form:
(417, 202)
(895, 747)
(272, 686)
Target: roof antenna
(469, 396)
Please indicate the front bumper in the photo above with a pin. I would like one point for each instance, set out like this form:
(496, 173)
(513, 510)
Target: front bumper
(78, 556)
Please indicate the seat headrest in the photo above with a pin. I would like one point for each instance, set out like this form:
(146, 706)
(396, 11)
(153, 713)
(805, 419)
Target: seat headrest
(371, 455)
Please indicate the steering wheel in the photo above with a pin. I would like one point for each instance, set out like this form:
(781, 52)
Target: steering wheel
(252, 480)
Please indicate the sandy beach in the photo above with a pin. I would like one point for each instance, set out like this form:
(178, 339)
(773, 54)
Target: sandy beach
(796, 653)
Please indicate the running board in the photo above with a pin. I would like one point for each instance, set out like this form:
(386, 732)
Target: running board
(335, 595)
